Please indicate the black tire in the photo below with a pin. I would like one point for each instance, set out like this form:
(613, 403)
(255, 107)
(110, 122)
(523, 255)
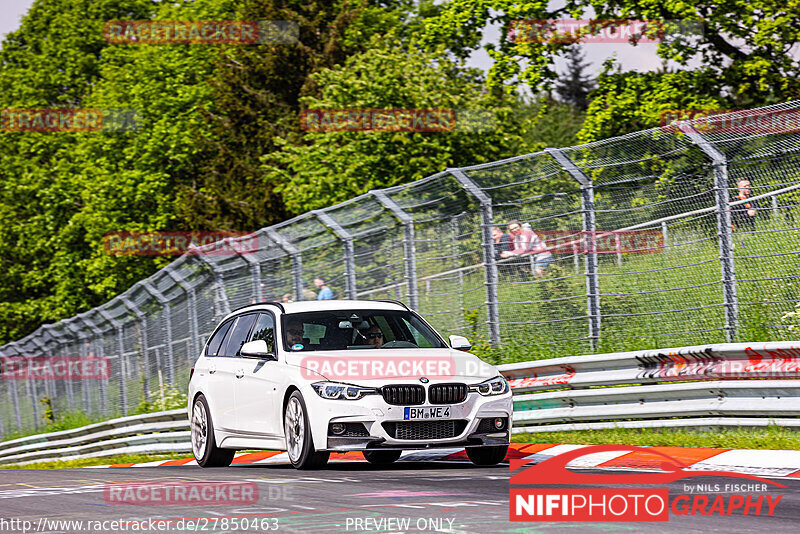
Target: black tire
(382, 457)
(204, 447)
(301, 451)
(489, 455)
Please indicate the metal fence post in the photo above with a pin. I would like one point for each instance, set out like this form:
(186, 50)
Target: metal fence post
(349, 251)
(719, 164)
(191, 303)
(221, 297)
(42, 353)
(63, 342)
(255, 273)
(492, 278)
(590, 230)
(123, 390)
(99, 351)
(167, 315)
(297, 260)
(82, 342)
(409, 245)
(12, 388)
(142, 318)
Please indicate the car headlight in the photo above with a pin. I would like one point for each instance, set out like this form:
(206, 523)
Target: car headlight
(337, 391)
(493, 386)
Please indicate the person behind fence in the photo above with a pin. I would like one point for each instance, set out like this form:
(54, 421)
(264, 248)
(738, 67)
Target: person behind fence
(502, 243)
(743, 216)
(526, 242)
(325, 292)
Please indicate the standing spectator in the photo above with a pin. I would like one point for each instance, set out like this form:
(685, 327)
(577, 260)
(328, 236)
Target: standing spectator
(325, 292)
(502, 243)
(308, 294)
(287, 298)
(526, 242)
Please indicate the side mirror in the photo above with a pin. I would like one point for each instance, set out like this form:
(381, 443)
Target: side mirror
(460, 343)
(257, 349)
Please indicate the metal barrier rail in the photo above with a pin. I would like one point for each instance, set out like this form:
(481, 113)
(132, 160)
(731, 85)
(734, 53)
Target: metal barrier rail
(752, 383)
(706, 386)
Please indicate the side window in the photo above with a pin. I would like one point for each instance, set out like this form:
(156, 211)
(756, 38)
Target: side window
(265, 329)
(238, 335)
(216, 341)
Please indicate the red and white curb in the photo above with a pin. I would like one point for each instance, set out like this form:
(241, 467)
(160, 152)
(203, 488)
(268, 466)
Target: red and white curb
(761, 462)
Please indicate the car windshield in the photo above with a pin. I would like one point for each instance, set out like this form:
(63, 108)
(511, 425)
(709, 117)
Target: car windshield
(357, 329)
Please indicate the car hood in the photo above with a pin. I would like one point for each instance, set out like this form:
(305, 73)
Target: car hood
(370, 367)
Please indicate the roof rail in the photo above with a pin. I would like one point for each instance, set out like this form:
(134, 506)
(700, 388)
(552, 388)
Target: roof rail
(393, 301)
(268, 303)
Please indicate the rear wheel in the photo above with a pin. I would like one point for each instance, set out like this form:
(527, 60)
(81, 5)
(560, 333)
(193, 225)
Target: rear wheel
(204, 448)
(382, 457)
(299, 443)
(491, 455)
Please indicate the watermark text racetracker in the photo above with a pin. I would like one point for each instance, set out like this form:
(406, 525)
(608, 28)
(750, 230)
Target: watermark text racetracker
(617, 31)
(210, 32)
(68, 120)
(180, 492)
(54, 368)
(150, 524)
(397, 120)
(732, 120)
(357, 368)
(170, 243)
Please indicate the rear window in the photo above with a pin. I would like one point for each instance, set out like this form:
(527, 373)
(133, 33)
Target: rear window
(216, 341)
(238, 335)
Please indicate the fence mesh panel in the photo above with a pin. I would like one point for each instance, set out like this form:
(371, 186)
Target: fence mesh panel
(674, 236)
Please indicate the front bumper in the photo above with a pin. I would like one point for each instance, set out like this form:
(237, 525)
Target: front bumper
(344, 444)
(372, 411)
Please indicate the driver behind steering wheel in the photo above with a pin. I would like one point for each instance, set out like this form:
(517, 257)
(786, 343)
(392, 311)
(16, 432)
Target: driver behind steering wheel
(372, 336)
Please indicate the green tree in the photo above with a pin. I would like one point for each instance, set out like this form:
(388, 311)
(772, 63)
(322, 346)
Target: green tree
(333, 166)
(737, 53)
(573, 87)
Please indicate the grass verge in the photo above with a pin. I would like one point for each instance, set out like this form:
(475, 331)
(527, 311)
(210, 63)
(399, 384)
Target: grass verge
(771, 437)
(108, 460)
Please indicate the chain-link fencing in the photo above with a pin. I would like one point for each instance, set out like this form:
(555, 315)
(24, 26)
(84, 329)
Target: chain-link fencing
(674, 236)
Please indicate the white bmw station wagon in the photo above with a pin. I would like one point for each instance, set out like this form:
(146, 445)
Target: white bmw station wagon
(316, 377)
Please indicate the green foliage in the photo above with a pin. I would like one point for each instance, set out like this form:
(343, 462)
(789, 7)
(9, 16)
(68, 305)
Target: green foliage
(722, 54)
(334, 166)
(105, 460)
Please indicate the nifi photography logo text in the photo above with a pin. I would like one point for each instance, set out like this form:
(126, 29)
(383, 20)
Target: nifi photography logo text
(548, 491)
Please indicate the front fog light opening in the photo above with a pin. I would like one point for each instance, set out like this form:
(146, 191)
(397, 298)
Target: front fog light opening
(337, 428)
(499, 423)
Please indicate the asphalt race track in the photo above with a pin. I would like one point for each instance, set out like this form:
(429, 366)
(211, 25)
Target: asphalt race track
(345, 497)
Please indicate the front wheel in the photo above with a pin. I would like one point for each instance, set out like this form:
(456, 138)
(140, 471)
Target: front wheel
(299, 443)
(204, 448)
(382, 457)
(490, 455)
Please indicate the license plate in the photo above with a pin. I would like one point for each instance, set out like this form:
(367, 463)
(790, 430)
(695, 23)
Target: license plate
(429, 412)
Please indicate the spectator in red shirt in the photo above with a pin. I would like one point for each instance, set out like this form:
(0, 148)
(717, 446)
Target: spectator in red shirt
(526, 242)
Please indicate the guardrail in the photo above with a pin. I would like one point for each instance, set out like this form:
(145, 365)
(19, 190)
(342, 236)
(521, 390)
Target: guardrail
(730, 384)
(139, 434)
(705, 386)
